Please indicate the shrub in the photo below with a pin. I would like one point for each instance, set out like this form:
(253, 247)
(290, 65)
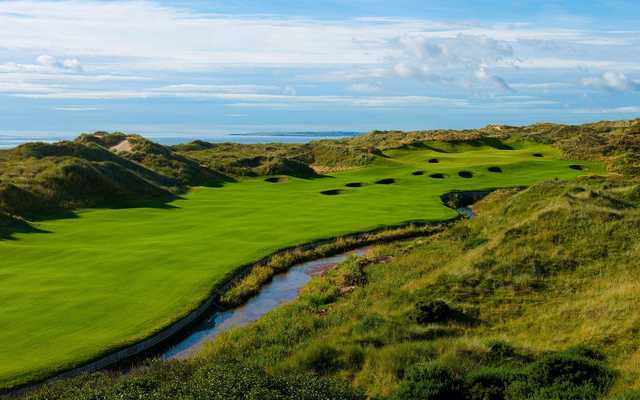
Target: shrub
(489, 383)
(320, 358)
(429, 382)
(438, 311)
(351, 273)
(353, 357)
(567, 375)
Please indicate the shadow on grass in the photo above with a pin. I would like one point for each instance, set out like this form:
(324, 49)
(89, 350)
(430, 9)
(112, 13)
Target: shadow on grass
(485, 141)
(11, 226)
(158, 203)
(440, 312)
(424, 146)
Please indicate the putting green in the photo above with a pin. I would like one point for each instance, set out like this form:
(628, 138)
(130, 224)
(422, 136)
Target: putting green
(114, 276)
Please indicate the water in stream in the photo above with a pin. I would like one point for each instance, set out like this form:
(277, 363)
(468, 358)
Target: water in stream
(283, 288)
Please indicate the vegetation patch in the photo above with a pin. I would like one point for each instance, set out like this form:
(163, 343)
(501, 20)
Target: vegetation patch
(437, 176)
(417, 173)
(386, 181)
(577, 167)
(494, 169)
(539, 155)
(354, 184)
(433, 161)
(438, 311)
(465, 174)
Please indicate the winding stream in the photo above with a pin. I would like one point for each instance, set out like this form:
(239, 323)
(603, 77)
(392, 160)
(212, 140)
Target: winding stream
(283, 288)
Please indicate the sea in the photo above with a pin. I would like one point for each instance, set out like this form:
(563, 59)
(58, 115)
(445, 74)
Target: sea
(12, 140)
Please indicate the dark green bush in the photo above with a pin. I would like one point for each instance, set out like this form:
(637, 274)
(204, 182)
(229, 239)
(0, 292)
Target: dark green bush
(320, 358)
(567, 375)
(489, 383)
(429, 382)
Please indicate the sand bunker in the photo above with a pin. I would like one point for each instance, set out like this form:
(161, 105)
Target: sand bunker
(387, 181)
(276, 179)
(434, 161)
(332, 192)
(417, 173)
(494, 169)
(124, 146)
(465, 174)
(354, 184)
(437, 176)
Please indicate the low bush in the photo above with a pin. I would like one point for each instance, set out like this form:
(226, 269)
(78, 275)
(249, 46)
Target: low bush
(489, 383)
(568, 375)
(428, 381)
(320, 358)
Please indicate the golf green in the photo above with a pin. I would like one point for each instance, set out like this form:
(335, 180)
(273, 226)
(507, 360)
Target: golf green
(110, 277)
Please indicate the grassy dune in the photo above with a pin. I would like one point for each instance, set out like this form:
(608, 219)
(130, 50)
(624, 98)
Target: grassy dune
(109, 277)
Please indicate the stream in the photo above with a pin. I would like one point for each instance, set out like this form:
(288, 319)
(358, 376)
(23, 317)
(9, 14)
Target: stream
(283, 288)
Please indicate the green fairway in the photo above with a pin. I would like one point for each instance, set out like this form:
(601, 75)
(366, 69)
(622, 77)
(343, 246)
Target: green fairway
(111, 277)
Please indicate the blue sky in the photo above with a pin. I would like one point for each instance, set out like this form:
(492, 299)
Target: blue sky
(209, 67)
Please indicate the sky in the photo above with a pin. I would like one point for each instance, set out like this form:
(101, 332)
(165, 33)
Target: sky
(214, 67)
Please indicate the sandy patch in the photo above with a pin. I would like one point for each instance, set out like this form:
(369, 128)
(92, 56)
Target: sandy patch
(124, 146)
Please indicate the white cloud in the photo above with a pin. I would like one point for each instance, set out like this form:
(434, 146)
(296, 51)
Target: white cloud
(452, 60)
(290, 90)
(365, 87)
(196, 88)
(611, 80)
(615, 110)
(76, 108)
(484, 75)
(148, 48)
(71, 64)
(246, 100)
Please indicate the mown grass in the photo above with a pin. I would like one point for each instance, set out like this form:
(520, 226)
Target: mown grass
(109, 277)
